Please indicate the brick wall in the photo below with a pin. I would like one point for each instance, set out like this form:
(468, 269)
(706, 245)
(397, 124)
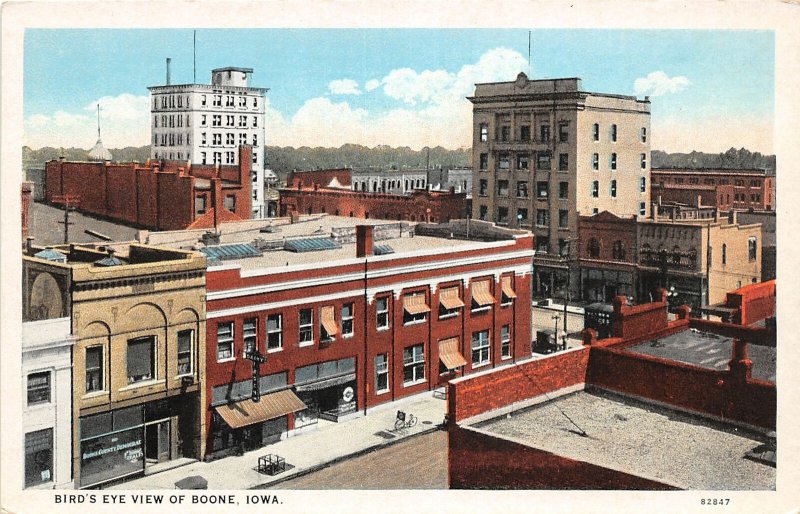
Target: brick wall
(477, 460)
(25, 202)
(319, 177)
(754, 302)
(476, 395)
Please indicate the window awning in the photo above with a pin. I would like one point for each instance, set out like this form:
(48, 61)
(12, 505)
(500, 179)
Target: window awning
(449, 299)
(271, 406)
(507, 289)
(415, 304)
(327, 382)
(328, 321)
(449, 354)
(481, 294)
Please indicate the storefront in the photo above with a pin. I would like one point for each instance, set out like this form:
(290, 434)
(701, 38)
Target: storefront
(240, 424)
(123, 442)
(681, 290)
(327, 389)
(602, 285)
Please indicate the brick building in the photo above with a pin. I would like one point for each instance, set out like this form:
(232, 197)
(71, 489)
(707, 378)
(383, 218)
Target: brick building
(350, 317)
(26, 192)
(606, 255)
(419, 205)
(718, 187)
(163, 195)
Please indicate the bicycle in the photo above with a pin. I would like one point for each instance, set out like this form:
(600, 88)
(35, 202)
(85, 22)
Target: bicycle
(404, 421)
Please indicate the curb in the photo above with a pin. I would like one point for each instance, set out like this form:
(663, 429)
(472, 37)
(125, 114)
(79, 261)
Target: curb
(363, 451)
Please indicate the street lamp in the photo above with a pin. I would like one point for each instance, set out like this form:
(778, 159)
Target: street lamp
(555, 318)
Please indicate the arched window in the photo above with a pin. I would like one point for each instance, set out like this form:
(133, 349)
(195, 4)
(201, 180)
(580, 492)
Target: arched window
(593, 248)
(618, 250)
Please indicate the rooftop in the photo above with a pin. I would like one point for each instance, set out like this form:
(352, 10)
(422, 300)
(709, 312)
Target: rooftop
(642, 439)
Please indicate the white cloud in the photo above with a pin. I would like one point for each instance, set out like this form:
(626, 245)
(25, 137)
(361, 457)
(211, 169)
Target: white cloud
(344, 87)
(372, 84)
(657, 83)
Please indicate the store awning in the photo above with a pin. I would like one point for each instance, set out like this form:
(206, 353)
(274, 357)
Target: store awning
(271, 406)
(507, 289)
(415, 304)
(326, 382)
(449, 298)
(449, 354)
(328, 321)
(481, 294)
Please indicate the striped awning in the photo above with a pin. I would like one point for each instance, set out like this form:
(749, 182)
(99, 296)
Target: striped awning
(481, 293)
(271, 406)
(328, 321)
(415, 304)
(507, 289)
(449, 299)
(449, 354)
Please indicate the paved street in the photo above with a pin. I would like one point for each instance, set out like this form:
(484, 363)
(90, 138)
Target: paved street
(419, 462)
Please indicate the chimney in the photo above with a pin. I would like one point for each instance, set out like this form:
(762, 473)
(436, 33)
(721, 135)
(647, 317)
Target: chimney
(29, 245)
(733, 217)
(699, 200)
(169, 61)
(216, 198)
(363, 240)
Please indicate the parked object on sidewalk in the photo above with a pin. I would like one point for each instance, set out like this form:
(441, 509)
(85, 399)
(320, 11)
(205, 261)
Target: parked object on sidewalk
(271, 464)
(402, 422)
(192, 482)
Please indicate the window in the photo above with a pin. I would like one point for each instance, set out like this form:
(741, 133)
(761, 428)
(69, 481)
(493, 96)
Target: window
(255, 121)
(563, 132)
(224, 341)
(642, 184)
(694, 180)
(544, 132)
(522, 216)
(327, 324)
(563, 189)
(613, 189)
(250, 335)
(381, 373)
(613, 161)
(614, 132)
(751, 249)
(593, 248)
(505, 133)
(595, 161)
(563, 247)
(618, 251)
(230, 138)
(643, 135)
(502, 187)
(563, 162)
(202, 99)
(38, 457)
(255, 139)
(543, 244)
(415, 309)
(541, 190)
(229, 203)
(482, 187)
(480, 348)
(543, 161)
(216, 139)
(522, 161)
(217, 100)
(483, 212)
(505, 341)
(563, 218)
(596, 132)
(484, 161)
(216, 120)
(39, 388)
(724, 254)
(449, 302)
(347, 319)
(507, 293)
(643, 160)
(642, 209)
(595, 189)
(199, 205)
(522, 189)
(94, 369)
(484, 131)
(413, 364)
(525, 132)
(185, 338)
(502, 215)
(141, 359)
(382, 313)
(502, 161)
(306, 327)
(542, 218)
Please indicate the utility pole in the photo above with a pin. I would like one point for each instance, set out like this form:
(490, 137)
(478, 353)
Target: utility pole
(70, 203)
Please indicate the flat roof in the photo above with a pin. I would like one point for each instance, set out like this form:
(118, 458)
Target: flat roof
(624, 434)
(45, 225)
(707, 350)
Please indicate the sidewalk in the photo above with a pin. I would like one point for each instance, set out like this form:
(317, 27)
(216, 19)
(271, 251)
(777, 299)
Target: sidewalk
(308, 451)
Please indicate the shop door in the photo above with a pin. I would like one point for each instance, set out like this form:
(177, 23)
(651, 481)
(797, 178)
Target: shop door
(157, 441)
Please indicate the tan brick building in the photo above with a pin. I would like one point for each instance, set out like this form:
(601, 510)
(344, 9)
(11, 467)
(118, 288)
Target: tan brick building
(545, 151)
(138, 321)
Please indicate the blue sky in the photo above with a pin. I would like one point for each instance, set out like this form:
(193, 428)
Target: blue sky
(710, 90)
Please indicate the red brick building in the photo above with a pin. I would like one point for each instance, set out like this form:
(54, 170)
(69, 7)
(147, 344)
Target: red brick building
(419, 205)
(320, 178)
(159, 195)
(607, 256)
(719, 187)
(353, 326)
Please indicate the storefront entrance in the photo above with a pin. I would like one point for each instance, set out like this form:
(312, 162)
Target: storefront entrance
(157, 441)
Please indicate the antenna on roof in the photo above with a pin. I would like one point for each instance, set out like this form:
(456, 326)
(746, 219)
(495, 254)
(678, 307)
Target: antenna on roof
(530, 70)
(98, 120)
(194, 57)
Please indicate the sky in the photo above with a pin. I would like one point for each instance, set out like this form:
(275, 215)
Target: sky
(710, 90)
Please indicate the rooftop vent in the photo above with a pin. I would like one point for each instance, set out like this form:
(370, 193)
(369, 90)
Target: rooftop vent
(51, 255)
(311, 245)
(382, 250)
(229, 252)
(109, 261)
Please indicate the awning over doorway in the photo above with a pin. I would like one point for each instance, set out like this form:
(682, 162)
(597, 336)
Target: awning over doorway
(449, 354)
(325, 383)
(328, 321)
(271, 406)
(449, 299)
(415, 304)
(481, 293)
(507, 289)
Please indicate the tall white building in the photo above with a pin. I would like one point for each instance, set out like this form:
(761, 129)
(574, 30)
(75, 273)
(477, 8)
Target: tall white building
(205, 124)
